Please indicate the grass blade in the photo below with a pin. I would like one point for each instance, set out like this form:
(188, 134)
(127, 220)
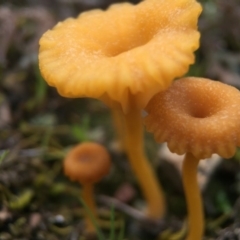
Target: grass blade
(112, 224)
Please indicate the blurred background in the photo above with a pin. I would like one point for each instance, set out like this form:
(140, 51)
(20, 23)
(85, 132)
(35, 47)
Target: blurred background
(38, 127)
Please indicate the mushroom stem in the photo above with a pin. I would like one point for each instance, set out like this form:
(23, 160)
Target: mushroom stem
(141, 166)
(193, 198)
(119, 126)
(88, 198)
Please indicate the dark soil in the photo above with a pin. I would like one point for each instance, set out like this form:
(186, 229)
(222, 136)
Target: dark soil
(38, 127)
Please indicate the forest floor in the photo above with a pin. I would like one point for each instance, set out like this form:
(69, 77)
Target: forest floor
(38, 127)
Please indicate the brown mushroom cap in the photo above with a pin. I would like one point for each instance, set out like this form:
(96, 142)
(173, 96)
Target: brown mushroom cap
(198, 116)
(127, 50)
(87, 163)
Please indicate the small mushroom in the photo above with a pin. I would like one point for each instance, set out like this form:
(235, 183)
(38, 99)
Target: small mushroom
(87, 163)
(198, 117)
(124, 56)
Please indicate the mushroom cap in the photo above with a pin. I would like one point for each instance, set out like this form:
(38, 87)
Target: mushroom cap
(123, 55)
(196, 115)
(87, 163)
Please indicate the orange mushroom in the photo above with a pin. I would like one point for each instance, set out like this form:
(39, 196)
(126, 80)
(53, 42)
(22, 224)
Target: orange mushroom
(87, 163)
(198, 117)
(123, 56)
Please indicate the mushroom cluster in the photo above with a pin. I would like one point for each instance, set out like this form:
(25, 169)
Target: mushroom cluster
(127, 57)
(198, 117)
(124, 56)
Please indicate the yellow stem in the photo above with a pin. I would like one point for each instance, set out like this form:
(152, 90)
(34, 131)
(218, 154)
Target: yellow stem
(119, 126)
(141, 166)
(193, 198)
(88, 198)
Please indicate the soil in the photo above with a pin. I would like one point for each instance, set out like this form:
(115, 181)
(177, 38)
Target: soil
(38, 127)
